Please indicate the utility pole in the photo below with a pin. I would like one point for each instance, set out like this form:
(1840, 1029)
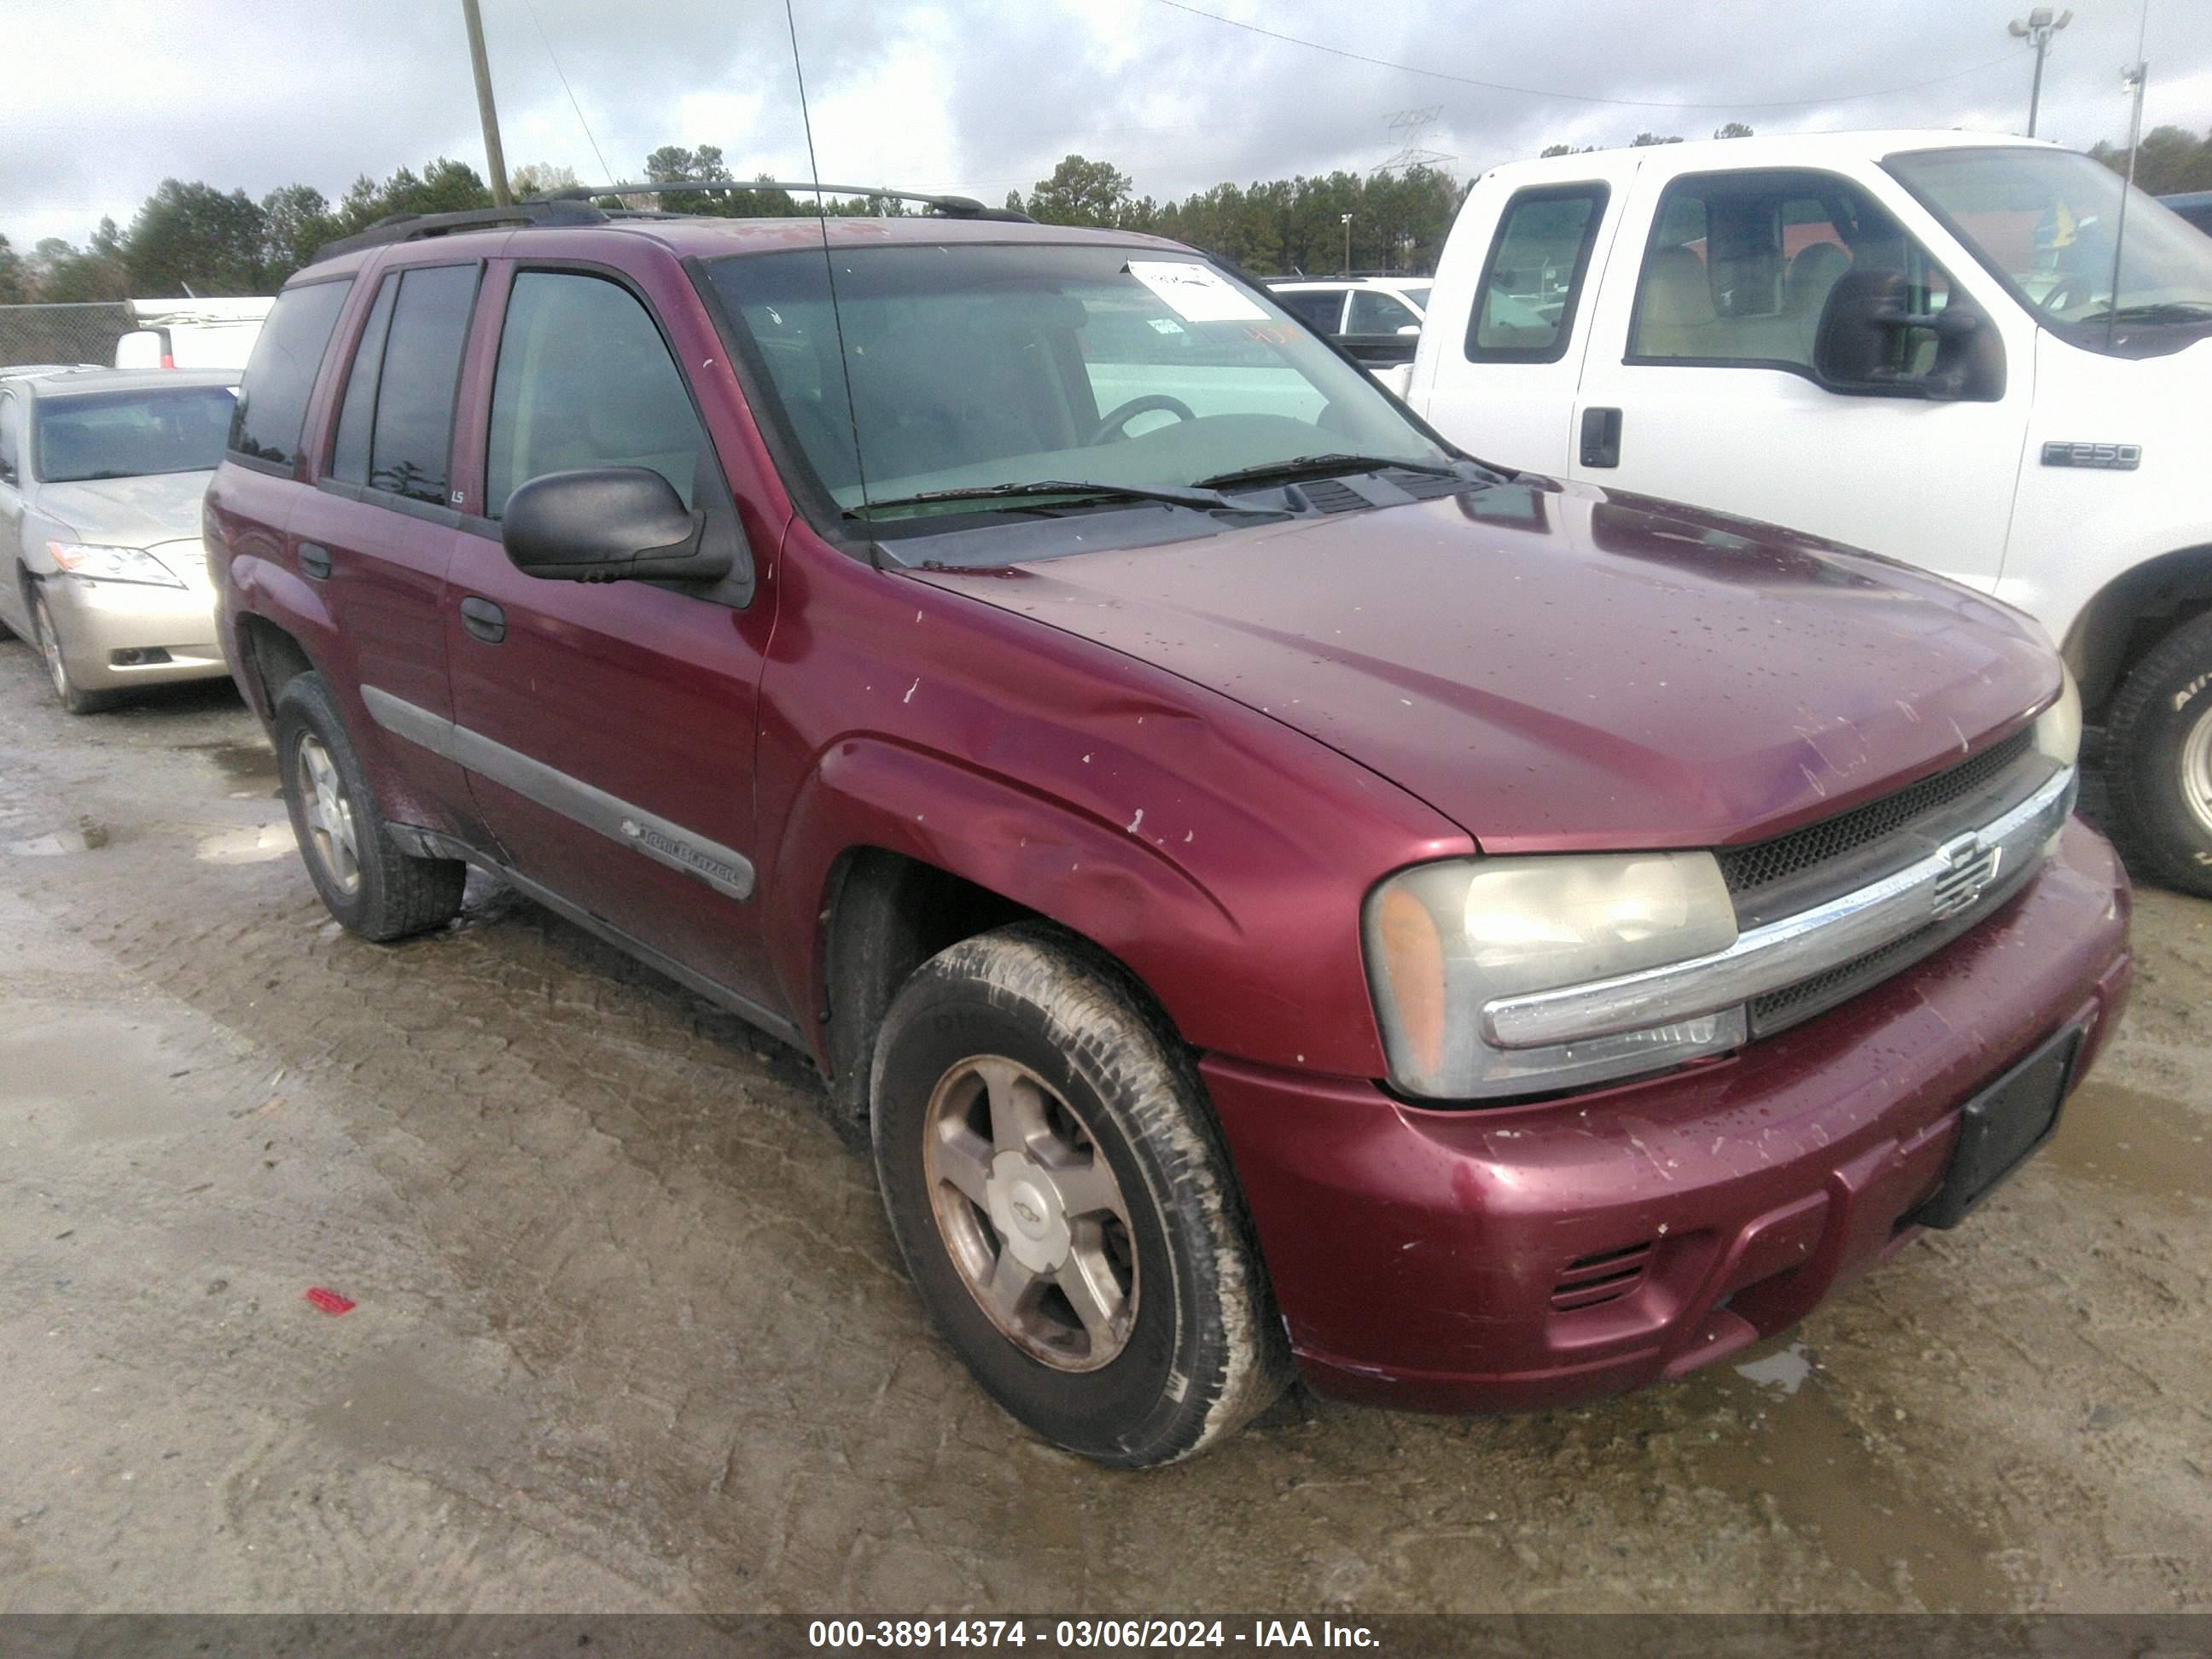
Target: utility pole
(486, 110)
(2036, 29)
(1347, 245)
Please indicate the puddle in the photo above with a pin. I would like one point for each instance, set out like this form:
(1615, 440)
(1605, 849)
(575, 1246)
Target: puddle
(108, 1076)
(2135, 1143)
(1812, 1470)
(254, 844)
(1786, 1369)
(250, 768)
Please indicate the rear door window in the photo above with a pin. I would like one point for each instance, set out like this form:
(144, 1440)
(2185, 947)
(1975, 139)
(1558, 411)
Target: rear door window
(357, 411)
(585, 380)
(1375, 312)
(411, 435)
(1323, 308)
(272, 402)
(1531, 283)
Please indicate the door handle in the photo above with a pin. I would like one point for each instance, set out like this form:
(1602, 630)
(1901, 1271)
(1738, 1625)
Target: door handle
(1601, 437)
(315, 560)
(483, 619)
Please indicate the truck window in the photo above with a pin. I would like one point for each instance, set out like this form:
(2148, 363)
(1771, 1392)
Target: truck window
(349, 457)
(1524, 310)
(585, 380)
(1320, 309)
(272, 402)
(1374, 312)
(411, 437)
(1740, 266)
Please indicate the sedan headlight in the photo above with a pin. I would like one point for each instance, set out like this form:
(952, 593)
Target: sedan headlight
(1444, 940)
(2058, 728)
(112, 564)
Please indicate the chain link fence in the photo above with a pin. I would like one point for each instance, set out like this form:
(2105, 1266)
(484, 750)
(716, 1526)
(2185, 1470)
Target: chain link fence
(84, 333)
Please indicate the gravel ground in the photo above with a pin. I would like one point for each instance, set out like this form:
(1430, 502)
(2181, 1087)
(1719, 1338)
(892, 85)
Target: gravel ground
(631, 1334)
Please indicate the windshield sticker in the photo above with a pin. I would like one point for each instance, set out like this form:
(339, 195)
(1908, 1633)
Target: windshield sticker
(1196, 294)
(1166, 325)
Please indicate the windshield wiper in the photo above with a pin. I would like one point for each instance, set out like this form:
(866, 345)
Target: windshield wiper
(1197, 497)
(1301, 464)
(2163, 310)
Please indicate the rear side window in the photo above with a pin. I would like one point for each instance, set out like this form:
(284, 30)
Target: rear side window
(272, 402)
(1524, 308)
(411, 437)
(357, 413)
(9, 470)
(584, 381)
(1374, 312)
(1320, 307)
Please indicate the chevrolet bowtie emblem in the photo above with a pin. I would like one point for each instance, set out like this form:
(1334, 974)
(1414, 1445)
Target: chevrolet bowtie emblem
(1971, 867)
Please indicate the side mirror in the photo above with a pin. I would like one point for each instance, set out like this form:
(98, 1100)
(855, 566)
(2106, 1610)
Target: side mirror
(1412, 329)
(606, 524)
(1871, 343)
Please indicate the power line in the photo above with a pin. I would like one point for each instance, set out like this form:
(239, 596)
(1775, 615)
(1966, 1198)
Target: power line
(1576, 97)
(606, 172)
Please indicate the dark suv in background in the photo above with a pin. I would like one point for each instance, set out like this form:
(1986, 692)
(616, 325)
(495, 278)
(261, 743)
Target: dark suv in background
(1268, 888)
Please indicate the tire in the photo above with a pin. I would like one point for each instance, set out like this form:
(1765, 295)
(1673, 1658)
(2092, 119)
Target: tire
(372, 887)
(47, 641)
(1002, 1062)
(2158, 760)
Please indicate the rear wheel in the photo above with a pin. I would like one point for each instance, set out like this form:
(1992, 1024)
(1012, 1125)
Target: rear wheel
(365, 881)
(48, 638)
(1064, 1205)
(2158, 762)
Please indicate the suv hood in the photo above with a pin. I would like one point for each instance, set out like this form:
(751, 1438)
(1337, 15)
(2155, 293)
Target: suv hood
(1566, 669)
(161, 507)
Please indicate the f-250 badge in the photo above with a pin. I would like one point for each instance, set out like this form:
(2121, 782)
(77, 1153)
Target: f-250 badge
(2109, 458)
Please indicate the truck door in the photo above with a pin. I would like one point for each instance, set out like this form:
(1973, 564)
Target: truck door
(1700, 384)
(1504, 391)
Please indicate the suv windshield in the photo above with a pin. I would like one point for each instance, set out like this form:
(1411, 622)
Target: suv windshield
(129, 434)
(2042, 222)
(973, 367)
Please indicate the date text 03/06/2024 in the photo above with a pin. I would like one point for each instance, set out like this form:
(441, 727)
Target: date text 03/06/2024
(1087, 1633)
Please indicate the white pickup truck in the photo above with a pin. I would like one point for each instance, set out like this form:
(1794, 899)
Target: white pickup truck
(1979, 354)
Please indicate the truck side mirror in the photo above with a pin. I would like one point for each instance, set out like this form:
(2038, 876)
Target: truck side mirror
(605, 524)
(1872, 343)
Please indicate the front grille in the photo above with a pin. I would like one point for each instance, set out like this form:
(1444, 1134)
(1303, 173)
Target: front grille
(1749, 868)
(1808, 997)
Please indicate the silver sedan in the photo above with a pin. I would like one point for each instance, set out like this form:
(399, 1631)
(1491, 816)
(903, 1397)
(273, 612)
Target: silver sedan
(101, 473)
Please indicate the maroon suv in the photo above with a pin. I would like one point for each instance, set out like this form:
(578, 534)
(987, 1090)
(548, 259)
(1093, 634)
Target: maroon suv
(1270, 889)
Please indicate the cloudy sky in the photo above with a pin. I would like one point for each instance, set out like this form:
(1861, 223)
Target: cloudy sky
(109, 97)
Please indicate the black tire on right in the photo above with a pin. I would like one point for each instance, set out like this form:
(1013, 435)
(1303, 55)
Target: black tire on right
(2165, 701)
(398, 894)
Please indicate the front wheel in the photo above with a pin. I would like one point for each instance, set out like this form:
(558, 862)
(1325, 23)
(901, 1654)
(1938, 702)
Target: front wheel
(365, 881)
(1064, 1204)
(67, 691)
(2158, 762)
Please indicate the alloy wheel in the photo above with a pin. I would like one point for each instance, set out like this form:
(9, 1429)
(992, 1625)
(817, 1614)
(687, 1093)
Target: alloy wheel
(2196, 769)
(50, 647)
(330, 834)
(1030, 1213)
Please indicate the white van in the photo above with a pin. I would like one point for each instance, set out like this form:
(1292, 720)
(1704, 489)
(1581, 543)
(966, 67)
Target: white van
(1910, 342)
(192, 333)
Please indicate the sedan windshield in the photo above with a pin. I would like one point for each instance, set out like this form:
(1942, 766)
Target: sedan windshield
(129, 434)
(976, 368)
(2046, 223)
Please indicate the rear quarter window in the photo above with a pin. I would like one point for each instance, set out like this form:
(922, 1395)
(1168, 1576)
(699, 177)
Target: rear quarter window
(272, 400)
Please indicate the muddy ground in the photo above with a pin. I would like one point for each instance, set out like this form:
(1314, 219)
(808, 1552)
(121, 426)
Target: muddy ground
(630, 1333)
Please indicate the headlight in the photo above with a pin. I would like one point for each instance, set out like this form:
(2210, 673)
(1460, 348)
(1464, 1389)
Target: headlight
(2058, 728)
(1442, 939)
(112, 564)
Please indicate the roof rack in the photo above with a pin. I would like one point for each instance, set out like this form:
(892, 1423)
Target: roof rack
(574, 206)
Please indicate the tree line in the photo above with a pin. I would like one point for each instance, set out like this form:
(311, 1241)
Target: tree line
(192, 238)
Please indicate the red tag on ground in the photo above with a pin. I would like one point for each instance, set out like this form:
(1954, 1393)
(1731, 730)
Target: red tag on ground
(329, 1301)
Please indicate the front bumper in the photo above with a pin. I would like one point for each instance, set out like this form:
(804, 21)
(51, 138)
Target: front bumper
(101, 626)
(1518, 1257)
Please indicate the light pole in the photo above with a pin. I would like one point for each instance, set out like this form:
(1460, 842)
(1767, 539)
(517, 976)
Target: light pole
(2037, 28)
(1347, 245)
